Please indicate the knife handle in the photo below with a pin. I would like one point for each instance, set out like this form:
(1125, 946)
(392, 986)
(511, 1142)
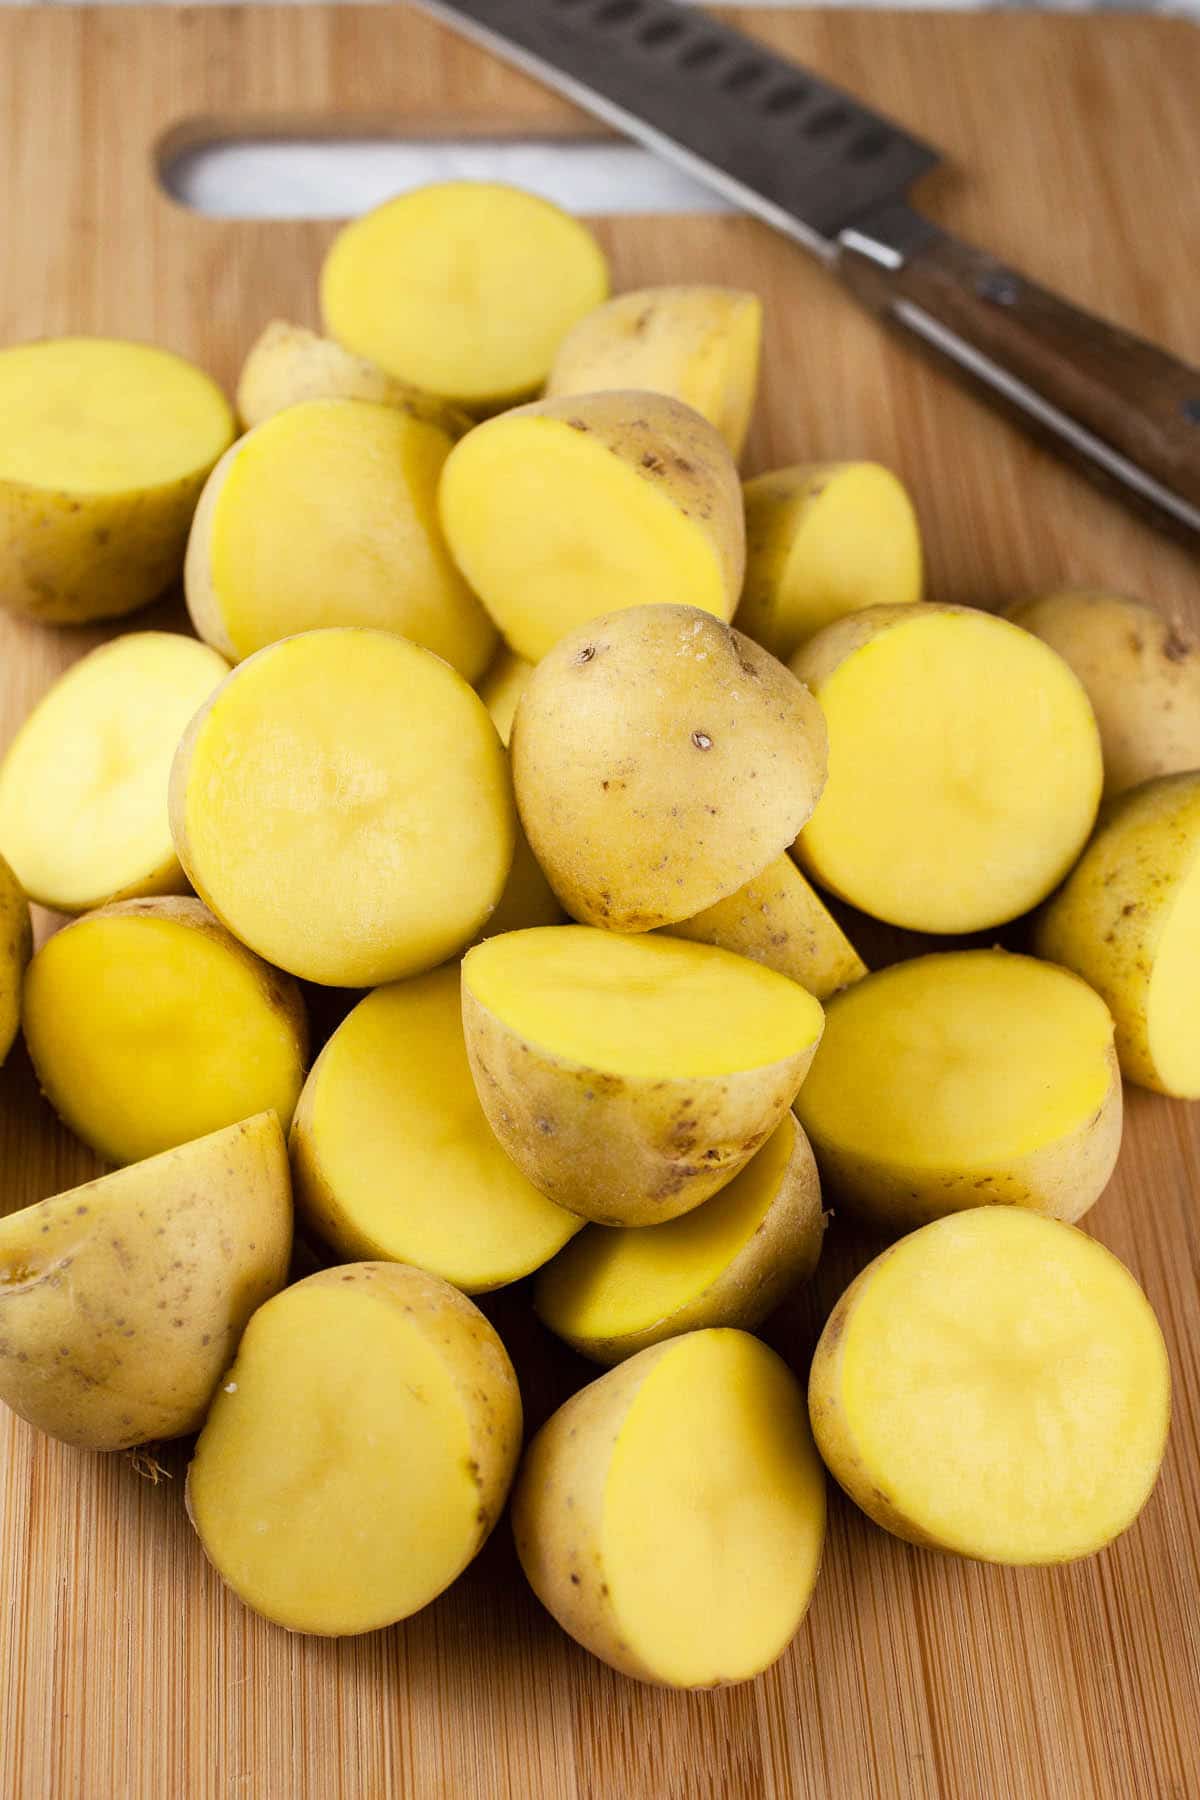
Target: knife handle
(1125, 411)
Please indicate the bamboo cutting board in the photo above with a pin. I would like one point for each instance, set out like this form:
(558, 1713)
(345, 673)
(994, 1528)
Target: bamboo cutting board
(125, 1670)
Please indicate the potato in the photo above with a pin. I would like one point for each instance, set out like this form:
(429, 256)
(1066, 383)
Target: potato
(121, 1302)
(389, 1119)
(16, 947)
(149, 1025)
(994, 1385)
(501, 689)
(464, 288)
(661, 761)
(777, 919)
(963, 1078)
(729, 1262)
(965, 767)
(288, 365)
(528, 899)
(326, 515)
(824, 540)
(344, 805)
(671, 1516)
(631, 1077)
(1128, 921)
(1141, 673)
(105, 448)
(698, 344)
(359, 1452)
(561, 510)
(83, 785)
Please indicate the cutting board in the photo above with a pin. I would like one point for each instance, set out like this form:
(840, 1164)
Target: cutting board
(126, 1671)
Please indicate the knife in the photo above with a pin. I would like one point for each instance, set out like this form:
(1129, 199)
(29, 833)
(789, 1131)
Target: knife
(834, 175)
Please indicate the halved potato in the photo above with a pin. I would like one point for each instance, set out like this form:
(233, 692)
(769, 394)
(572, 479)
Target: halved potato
(122, 1301)
(671, 1516)
(996, 1385)
(1128, 921)
(631, 1077)
(565, 509)
(501, 689)
(287, 365)
(358, 1453)
(729, 1262)
(16, 947)
(83, 785)
(960, 1079)
(393, 1157)
(150, 1025)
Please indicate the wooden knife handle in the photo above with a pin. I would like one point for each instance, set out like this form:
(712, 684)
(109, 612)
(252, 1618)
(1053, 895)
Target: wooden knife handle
(1125, 411)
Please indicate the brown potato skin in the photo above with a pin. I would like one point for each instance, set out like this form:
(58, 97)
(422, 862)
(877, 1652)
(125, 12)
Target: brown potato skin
(621, 1150)
(782, 1253)
(661, 760)
(16, 948)
(777, 919)
(287, 365)
(117, 1319)
(1142, 676)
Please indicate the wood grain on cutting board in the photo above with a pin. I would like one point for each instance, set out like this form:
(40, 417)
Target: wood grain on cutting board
(125, 1669)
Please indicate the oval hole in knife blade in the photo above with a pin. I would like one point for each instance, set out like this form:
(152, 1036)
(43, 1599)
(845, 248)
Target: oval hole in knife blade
(241, 175)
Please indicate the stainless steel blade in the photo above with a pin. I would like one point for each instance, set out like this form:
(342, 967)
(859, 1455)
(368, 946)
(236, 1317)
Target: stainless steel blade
(786, 145)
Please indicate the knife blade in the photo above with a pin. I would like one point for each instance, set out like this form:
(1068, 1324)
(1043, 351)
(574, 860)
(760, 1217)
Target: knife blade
(834, 174)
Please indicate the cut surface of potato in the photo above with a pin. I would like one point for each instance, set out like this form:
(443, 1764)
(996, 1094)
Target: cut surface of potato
(996, 1385)
(394, 1159)
(16, 947)
(962, 1079)
(501, 689)
(358, 1454)
(661, 760)
(344, 805)
(729, 1262)
(105, 448)
(777, 919)
(565, 509)
(465, 288)
(823, 540)
(965, 766)
(288, 365)
(631, 1077)
(1128, 921)
(698, 344)
(326, 515)
(149, 1025)
(122, 1302)
(1142, 676)
(83, 786)
(671, 1516)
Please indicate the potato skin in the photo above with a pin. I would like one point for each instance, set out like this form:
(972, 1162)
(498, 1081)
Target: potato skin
(16, 948)
(661, 760)
(783, 1252)
(621, 1150)
(154, 1276)
(1142, 676)
(1104, 921)
(1061, 1180)
(287, 365)
(776, 919)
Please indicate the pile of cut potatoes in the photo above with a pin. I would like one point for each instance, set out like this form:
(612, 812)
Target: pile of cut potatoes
(513, 709)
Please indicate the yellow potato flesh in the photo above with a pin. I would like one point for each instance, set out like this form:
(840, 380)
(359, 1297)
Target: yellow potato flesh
(823, 540)
(1173, 998)
(16, 947)
(344, 805)
(97, 416)
(1004, 1382)
(641, 1006)
(553, 529)
(147, 1032)
(611, 1283)
(964, 774)
(332, 1484)
(714, 1512)
(327, 515)
(465, 288)
(960, 1061)
(501, 690)
(83, 787)
(394, 1157)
